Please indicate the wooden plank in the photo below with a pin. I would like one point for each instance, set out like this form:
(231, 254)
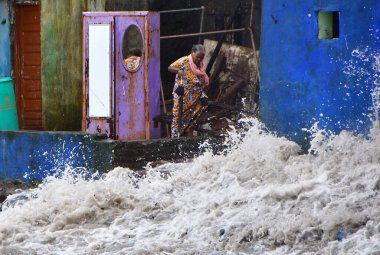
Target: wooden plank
(239, 83)
(32, 124)
(30, 37)
(34, 115)
(31, 85)
(30, 17)
(32, 59)
(32, 72)
(32, 105)
(213, 88)
(32, 48)
(32, 95)
(32, 27)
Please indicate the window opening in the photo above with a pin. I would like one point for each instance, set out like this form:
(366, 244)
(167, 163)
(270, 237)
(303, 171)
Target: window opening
(328, 24)
(132, 48)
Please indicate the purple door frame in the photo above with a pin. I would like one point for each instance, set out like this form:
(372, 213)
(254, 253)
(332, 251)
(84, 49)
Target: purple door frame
(103, 125)
(135, 96)
(153, 76)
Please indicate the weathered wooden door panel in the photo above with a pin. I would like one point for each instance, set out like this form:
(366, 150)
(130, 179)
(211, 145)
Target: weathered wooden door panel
(28, 67)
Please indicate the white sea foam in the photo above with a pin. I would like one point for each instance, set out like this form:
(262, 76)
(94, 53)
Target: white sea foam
(259, 197)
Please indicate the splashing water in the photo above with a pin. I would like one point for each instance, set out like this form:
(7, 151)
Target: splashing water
(258, 197)
(375, 104)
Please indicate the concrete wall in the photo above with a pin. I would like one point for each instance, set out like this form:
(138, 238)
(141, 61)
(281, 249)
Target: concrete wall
(30, 156)
(136, 154)
(306, 79)
(5, 45)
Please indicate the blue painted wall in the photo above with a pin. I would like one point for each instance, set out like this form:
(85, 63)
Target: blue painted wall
(31, 156)
(5, 45)
(305, 79)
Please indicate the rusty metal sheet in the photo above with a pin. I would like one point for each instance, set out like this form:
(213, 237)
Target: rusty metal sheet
(130, 86)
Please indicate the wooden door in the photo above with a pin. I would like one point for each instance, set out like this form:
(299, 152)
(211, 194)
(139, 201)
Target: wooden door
(28, 67)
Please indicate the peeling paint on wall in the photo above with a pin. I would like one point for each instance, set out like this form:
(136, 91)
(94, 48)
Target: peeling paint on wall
(96, 5)
(61, 43)
(5, 45)
(307, 80)
(31, 156)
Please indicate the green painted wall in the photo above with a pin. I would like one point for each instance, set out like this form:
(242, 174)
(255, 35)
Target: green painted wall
(61, 44)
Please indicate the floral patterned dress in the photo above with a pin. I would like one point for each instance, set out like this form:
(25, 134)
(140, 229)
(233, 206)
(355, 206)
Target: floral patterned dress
(193, 87)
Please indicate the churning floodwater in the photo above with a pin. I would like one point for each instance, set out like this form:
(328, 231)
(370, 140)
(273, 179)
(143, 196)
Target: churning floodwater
(260, 196)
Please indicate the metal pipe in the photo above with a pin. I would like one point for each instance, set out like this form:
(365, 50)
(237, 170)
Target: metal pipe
(201, 25)
(183, 10)
(205, 33)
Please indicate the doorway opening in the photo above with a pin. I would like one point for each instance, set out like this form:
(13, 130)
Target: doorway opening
(328, 25)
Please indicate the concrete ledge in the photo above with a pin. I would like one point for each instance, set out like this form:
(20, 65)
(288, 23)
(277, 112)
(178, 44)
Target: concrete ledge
(31, 156)
(136, 154)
